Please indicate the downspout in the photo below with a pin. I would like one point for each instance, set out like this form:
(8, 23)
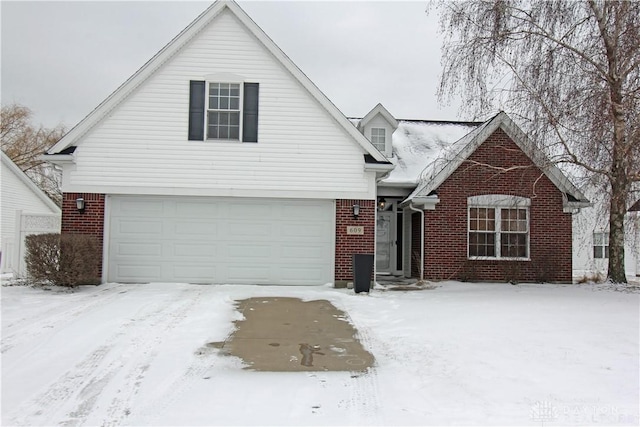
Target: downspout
(421, 238)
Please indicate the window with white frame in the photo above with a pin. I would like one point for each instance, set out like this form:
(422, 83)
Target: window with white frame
(223, 111)
(498, 227)
(601, 245)
(378, 138)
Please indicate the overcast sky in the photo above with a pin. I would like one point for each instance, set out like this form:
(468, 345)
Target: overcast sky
(61, 59)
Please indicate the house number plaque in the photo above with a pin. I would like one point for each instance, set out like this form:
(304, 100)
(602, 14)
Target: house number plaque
(355, 229)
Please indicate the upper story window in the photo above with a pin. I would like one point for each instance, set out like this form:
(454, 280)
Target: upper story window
(497, 228)
(223, 113)
(378, 138)
(601, 245)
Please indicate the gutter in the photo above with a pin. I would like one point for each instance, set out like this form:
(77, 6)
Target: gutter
(58, 159)
(382, 170)
(574, 206)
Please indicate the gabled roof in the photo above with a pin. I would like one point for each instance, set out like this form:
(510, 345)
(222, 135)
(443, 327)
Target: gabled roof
(8, 163)
(439, 170)
(74, 136)
(378, 109)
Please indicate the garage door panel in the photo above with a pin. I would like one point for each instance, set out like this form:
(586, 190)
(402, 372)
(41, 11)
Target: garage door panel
(135, 226)
(140, 208)
(195, 273)
(139, 272)
(249, 211)
(220, 240)
(197, 210)
(304, 276)
(249, 251)
(304, 231)
(304, 252)
(195, 229)
(244, 230)
(248, 274)
(147, 250)
(199, 250)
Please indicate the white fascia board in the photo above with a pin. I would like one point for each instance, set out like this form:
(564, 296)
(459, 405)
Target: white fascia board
(462, 155)
(379, 109)
(378, 167)
(138, 77)
(365, 194)
(425, 203)
(58, 159)
(503, 121)
(410, 185)
(552, 172)
(306, 82)
(178, 43)
(8, 163)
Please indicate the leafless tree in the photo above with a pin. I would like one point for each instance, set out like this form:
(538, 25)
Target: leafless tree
(24, 143)
(568, 71)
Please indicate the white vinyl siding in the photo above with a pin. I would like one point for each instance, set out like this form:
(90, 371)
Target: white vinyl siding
(142, 147)
(220, 240)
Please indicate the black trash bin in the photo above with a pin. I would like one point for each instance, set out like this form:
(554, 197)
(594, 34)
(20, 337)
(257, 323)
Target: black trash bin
(362, 272)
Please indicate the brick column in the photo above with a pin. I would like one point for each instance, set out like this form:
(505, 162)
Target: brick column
(90, 222)
(349, 244)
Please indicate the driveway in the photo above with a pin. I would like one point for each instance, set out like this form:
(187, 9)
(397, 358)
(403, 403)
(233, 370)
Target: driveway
(471, 354)
(288, 334)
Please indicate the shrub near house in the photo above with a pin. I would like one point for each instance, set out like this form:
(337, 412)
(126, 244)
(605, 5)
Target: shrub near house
(63, 260)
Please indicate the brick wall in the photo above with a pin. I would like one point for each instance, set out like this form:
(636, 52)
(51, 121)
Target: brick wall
(347, 245)
(550, 228)
(91, 221)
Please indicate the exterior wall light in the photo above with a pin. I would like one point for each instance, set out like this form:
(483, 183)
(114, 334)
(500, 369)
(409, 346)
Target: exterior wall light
(80, 205)
(356, 210)
(382, 203)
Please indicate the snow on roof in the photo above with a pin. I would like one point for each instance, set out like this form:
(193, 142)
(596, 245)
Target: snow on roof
(417, 144)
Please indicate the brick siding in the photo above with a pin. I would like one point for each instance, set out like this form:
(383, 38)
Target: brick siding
(347, 245)
(550, 228)
(90, 222)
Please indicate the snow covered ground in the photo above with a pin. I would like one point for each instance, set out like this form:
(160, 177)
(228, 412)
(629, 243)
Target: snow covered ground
(459, 354)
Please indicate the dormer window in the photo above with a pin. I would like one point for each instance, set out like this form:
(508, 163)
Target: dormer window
(378, 138)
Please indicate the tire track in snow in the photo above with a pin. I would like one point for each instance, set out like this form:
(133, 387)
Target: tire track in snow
(364, 386)
(120, 407)
(28, 329)
(197, 370)
(87, 380)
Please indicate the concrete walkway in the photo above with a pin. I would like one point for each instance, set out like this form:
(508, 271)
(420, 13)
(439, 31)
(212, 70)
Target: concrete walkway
(288, 334)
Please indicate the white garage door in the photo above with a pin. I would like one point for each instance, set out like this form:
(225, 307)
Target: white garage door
(220, 240)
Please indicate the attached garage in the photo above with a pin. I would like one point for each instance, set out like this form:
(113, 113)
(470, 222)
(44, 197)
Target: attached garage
(220, 240)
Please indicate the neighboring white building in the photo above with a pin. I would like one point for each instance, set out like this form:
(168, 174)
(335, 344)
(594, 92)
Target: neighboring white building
(591, 239)
(25, 210)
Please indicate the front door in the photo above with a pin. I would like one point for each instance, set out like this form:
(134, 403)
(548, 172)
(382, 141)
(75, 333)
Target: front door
(384, 240)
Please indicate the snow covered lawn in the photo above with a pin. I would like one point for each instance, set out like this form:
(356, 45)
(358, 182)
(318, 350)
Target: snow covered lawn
(460, 354)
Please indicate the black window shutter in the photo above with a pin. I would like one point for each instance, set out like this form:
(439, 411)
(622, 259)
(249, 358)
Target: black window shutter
(250, 113)
(196, 110)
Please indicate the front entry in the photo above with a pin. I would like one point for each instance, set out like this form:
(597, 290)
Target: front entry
(384, 242)
(389, 240)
